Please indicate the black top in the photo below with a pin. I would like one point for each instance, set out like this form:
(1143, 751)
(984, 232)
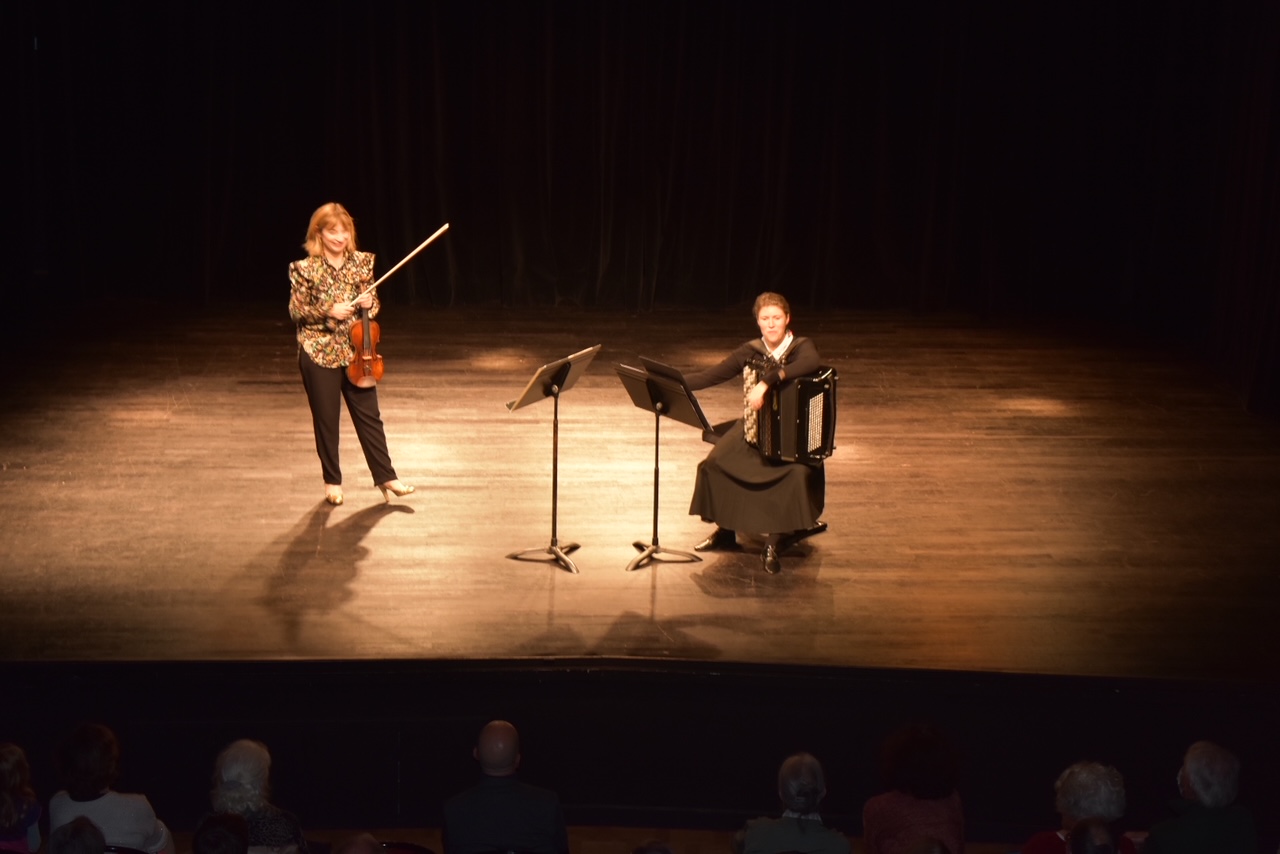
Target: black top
(800, 358)
(504, 814)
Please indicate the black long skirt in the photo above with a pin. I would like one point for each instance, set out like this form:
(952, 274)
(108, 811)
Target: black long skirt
(740, 490)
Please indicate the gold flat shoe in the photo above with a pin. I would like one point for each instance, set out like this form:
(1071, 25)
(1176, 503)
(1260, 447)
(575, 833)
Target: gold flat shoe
(333, 494)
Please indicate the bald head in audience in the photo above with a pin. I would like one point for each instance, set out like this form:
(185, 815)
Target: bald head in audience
(801, 783)
(498, 749)
(502, 812)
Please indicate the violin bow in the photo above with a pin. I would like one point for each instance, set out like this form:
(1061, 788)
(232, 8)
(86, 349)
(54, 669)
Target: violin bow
(405, 260)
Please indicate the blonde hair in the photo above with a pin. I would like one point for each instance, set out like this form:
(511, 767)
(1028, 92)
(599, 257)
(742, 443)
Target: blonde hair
(15, 785)
(326, 215)
(770, 298)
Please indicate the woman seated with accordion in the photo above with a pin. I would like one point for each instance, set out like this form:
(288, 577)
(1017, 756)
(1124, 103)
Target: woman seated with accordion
(738, 488)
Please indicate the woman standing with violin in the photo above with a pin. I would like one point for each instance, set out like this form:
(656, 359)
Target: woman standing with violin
(328, 294)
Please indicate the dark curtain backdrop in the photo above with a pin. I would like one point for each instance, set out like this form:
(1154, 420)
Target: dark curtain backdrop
(1117, 161)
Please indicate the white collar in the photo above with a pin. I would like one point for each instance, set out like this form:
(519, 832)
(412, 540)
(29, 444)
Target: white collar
(781, 348)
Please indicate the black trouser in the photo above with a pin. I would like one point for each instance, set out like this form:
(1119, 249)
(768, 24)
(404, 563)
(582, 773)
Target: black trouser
(326, 389)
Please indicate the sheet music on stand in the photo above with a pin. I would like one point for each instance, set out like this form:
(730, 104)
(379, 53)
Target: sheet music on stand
(711, 433)
(668, 375)
(554, 377)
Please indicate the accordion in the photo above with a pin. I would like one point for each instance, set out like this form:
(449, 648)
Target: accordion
(797, 422)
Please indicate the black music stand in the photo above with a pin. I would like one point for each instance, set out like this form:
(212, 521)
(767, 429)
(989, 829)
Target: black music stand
(662, 391)
(549, 381)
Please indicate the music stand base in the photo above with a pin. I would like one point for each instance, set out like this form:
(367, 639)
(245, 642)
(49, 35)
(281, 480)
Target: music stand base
(650, 551)
(559, 554)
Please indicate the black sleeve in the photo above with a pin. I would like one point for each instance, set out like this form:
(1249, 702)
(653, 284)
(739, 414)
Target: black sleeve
(729, 367)
(800, 360)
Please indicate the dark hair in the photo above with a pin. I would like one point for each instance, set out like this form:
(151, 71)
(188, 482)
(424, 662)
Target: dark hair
(928, 845)
(221, 833)
(361, 843)
(653, 846)
(89, 761)
(1091, 836)
(78, 836)
(918, 759)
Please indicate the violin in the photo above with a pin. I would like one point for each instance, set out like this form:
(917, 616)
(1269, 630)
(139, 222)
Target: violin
(366, 369)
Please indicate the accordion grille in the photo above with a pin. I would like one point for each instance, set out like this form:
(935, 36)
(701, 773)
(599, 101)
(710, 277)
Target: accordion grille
(815, 421)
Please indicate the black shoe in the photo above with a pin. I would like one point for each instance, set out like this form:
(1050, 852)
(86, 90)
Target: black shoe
(770, 560)
(795, 538)
(721, 539)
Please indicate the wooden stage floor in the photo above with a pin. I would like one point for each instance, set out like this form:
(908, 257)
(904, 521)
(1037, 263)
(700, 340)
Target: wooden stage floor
(1001, 500)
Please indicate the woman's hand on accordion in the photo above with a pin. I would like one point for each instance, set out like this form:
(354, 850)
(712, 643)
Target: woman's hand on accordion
(755, 397)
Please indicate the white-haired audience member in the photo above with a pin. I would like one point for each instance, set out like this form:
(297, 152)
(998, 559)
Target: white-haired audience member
(241, 785)
(801, 788)
(1207, 818)
(1085, 790)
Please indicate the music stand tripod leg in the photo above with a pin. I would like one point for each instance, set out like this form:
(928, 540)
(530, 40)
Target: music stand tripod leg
(559, 554)
(649, 551)
(556, 552)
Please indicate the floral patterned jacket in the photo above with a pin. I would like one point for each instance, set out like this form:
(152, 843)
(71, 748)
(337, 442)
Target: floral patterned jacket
(316, 285)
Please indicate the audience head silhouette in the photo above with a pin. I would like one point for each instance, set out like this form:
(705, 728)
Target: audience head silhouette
(653, 846)
(928, 845)
(240, 777)
(801, 784)
(1210, 775)
(15, 784)
(79, 836)
(1089, 790)
(89, 761)
(918, 759)
(221, 833)
(363, 843)
(498, 749)
(1091, 836)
